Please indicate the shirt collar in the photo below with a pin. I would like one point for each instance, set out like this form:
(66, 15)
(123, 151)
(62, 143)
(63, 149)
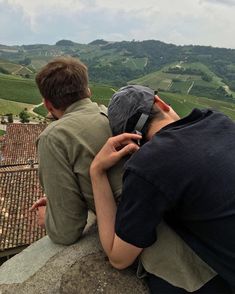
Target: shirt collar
(78, 105)
(194, 116)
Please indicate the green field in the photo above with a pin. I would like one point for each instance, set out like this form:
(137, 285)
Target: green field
(181, 87)
(19, 90)
(135, 63)
(17, 93)
(2, 132)
(183, 104)
(15, 108)
(9, 66)
(41, 110)
(174, 81)
(101, 93)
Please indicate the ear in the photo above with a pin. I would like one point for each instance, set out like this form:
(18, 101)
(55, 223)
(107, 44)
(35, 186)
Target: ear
(48, 105)
(89, 92)
(161, 104)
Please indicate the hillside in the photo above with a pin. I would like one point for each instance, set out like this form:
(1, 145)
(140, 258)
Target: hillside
(116, 63)
(186, 75)
(18, 93)
(188, 78)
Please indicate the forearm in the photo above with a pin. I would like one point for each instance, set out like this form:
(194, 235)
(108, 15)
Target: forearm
(120, 253)
(105, 209)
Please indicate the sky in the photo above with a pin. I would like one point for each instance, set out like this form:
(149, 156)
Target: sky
(181, 22)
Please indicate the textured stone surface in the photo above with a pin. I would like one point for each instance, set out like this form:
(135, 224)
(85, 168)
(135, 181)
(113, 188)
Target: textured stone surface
(29, 261)
(79, 268)
(95, 275)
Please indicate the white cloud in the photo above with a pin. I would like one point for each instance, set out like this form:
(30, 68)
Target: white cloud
(205, 22)
(221, 2)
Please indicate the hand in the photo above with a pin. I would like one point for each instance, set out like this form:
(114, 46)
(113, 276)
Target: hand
(41, 216)
(40, 207)
(40, 202)
(113, 150)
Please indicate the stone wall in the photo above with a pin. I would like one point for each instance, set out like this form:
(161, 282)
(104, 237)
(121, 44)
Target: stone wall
(47, 268)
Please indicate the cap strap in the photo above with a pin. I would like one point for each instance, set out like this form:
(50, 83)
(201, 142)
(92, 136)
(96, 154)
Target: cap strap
(141, 122)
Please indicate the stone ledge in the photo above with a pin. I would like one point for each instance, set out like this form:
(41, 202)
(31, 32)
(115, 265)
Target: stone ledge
(47, 268)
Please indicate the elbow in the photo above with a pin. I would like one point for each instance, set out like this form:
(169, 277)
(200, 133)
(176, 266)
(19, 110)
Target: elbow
(119, 265)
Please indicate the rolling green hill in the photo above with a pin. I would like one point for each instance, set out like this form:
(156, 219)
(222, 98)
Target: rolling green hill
(185, 75)
(18, 89)
(15, 108)
(188, 78)
(116, 63)
(183, 104)
(17, 93)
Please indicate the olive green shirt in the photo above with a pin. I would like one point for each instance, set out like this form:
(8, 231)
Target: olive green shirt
(66, 149)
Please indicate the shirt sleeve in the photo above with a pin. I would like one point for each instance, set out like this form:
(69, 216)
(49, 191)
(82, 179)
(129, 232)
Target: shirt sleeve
(66, 212)
(139, 212)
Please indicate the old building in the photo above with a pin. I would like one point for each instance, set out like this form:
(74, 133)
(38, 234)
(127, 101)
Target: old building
(19, 144)
(19, 188)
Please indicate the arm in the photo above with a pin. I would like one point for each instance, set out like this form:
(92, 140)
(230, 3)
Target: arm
(66, 212)
(40, 207)
(120, 253)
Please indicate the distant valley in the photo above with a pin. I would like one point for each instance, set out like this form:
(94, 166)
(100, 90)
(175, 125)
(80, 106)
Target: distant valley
(187, 76)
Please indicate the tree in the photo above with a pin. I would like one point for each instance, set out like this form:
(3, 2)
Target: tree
(206, 77)
(9, 117)
(24, 116)
(26, 61)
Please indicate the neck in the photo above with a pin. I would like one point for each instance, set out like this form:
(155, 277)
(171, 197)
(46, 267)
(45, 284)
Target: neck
(157, 125)
(57, 113)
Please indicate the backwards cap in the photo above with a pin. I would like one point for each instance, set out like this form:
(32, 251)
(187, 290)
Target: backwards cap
(127, 102)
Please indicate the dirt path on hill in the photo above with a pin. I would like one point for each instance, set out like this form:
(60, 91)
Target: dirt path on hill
(30, 110)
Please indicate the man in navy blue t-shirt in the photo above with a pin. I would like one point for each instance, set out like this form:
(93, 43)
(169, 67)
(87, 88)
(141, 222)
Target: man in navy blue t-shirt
(184, 174)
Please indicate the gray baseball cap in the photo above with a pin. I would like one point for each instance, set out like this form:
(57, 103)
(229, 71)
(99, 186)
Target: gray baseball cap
(127, 102)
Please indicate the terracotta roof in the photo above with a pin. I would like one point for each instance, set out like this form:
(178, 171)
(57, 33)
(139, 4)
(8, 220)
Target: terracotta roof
(19, 189)
(16, 168)
(19, 143)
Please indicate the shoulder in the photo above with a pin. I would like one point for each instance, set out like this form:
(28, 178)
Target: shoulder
(90, 118)
(146, 153)
(141, 162)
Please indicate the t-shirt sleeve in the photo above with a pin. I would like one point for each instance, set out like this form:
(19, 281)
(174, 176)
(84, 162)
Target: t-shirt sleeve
(140, 211)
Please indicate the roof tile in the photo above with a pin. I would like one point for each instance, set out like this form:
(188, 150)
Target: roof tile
(19, 189)
(19, 143)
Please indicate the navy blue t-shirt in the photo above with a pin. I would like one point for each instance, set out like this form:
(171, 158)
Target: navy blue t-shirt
(186, 175)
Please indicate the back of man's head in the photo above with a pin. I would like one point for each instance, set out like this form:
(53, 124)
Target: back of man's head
(63, 81)
(131, 109)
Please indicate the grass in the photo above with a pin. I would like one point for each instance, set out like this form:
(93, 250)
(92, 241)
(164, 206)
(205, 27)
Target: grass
(183, 104)
(19, 90)
(17, 93)
(15, 108)
(166, 81)
(155, 80)
(2, 132)
(41, 110)
(181, 86)
(101, 93)
(10, 67)
(135, 63)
